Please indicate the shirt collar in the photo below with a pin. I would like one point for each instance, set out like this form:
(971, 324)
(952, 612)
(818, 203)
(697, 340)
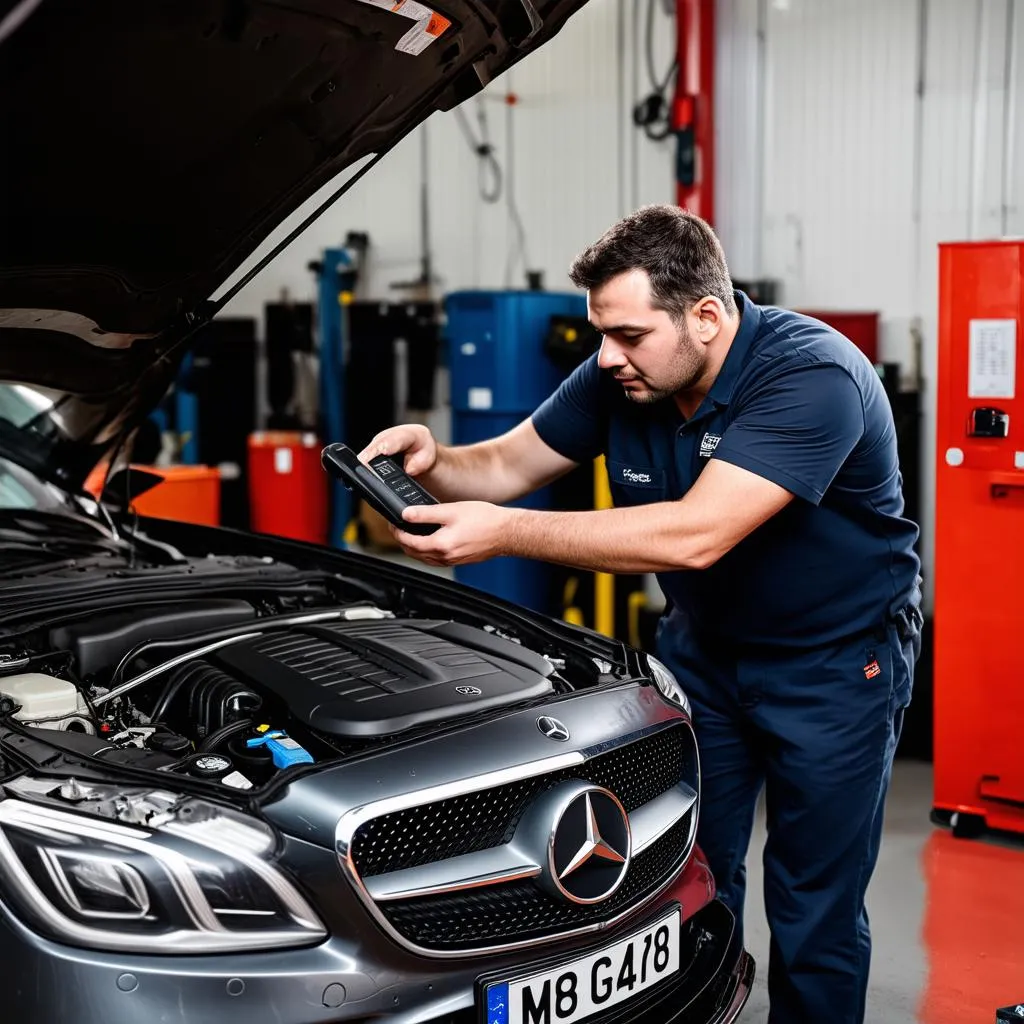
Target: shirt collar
(750, 323)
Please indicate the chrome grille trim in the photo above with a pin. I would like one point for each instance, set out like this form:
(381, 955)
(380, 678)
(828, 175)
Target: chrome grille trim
(353, 820)
(650, 822)
(470, 871)
(513, 863)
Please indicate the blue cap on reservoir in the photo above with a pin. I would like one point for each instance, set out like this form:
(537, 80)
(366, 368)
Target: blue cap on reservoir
(284, 750)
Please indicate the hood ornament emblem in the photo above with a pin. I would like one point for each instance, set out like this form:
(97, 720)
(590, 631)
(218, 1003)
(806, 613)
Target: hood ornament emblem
(552, 728)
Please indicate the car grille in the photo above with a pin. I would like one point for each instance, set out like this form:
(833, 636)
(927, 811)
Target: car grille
(636, 773)
(510, 913)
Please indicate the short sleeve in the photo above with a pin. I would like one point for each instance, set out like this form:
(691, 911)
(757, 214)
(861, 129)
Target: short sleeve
(574, 420)
(797, 428)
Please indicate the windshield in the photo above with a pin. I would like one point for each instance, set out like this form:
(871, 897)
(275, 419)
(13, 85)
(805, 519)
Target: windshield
(28, 431)
(54, 434)
(20, 489)
(20, 404)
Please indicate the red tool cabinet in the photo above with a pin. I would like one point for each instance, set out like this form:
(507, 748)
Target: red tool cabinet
(979, 535)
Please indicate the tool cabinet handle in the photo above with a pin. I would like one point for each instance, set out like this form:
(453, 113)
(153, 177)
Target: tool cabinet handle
(1001, 484)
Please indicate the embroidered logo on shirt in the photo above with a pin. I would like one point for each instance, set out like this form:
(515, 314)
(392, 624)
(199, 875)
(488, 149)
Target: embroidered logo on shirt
(872, 669)
(708, 444)
(648, 478)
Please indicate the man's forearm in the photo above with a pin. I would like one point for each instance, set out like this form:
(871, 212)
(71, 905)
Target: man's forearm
(473, 472)
(651, 538)
(725, 505)
(500, 470)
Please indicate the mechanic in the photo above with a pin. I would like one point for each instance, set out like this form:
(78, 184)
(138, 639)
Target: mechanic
(751, 453)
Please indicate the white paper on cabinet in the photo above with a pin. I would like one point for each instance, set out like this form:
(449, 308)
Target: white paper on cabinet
(993, 359)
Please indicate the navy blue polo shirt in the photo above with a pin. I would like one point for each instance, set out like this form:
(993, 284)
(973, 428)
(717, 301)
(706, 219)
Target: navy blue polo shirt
(796, 403)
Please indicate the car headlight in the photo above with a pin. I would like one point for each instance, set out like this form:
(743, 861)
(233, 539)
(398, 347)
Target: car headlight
(667, 685)
(200, 883)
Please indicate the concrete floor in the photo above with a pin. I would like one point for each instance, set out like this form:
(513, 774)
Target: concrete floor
(947, 918)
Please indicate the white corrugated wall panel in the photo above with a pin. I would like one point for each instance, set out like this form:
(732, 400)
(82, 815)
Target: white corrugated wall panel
(862, 176)
(739, 178)
(838, 155)
(1015, 131)
(949, 184)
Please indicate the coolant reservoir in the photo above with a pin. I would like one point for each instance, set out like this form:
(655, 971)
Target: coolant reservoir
(47, 701)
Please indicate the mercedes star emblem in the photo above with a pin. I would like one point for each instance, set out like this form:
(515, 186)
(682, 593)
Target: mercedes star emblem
(552, 728)
(469, 691)
(590, 847)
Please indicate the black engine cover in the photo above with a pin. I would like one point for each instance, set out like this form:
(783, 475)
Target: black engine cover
(378, 678)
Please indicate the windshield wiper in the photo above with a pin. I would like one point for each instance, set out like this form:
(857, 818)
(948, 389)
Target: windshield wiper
(83, 535)
(39, 524)
(44, 567)
(29, 547)
(21, 449)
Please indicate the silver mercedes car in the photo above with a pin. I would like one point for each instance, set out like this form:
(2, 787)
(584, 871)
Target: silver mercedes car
(244, 779)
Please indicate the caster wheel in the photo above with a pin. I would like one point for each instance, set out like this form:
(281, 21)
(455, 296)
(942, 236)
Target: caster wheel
(967, 826)
(940, 817)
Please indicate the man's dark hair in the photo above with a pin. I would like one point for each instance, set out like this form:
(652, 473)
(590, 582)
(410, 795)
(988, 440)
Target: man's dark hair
(680, 253)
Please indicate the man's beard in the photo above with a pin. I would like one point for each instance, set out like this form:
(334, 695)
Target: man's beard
(684, 372)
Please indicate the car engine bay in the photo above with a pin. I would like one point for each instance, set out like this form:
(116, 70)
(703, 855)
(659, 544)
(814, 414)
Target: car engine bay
(232, 692)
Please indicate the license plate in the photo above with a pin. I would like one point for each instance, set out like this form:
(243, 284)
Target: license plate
(574, 991)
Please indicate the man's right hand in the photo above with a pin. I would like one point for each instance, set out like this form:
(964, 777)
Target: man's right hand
(499, 470)
(413, 440)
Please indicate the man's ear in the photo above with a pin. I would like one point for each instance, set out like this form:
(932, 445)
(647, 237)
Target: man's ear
(710, 316)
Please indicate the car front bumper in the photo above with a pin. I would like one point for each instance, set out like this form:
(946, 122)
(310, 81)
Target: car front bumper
(712, 988)
(337, 982)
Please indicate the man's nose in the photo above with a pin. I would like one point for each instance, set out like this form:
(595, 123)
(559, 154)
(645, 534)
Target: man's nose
(610, 356)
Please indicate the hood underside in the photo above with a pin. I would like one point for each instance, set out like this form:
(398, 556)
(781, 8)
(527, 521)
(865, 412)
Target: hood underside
(151, 147)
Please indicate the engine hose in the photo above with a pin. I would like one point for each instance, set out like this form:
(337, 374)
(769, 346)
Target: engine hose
(237, 694)
(174, 684)
(211, 699)
(199, 698)
(215, 739)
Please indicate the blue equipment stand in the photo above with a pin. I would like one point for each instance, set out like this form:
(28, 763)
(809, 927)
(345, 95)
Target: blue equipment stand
(335, 280)
(186, 414)
(500, 373)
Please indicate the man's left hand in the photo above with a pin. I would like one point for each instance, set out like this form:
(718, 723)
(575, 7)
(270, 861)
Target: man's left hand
(471, 531)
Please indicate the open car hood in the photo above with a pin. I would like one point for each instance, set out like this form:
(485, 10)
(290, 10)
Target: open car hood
(151, 147)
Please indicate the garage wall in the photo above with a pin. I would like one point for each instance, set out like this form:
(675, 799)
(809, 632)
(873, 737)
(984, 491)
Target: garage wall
(570, 158)
(883, 127)
(853, 136)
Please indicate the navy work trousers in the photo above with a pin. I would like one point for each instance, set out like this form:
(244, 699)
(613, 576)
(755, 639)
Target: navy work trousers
(817, 729)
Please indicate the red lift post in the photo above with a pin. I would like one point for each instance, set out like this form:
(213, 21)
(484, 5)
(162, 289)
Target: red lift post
(693, 107)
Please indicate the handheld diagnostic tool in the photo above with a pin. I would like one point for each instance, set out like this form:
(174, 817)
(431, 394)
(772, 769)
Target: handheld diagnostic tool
(384, 485)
